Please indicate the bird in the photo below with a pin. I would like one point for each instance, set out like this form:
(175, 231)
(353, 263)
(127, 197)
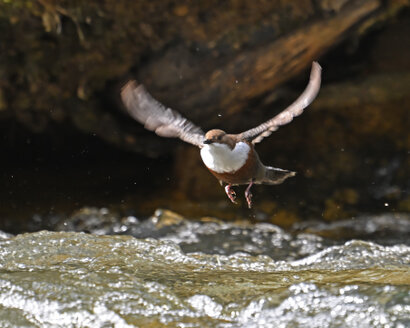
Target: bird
(231, 158)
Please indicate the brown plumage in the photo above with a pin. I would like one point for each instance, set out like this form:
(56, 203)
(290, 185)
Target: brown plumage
(231, 158)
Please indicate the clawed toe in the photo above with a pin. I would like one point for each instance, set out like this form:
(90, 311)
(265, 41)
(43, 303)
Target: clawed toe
(232, 197)
(230, 193)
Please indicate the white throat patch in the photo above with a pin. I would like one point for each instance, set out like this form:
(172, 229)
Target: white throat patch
(222, 159)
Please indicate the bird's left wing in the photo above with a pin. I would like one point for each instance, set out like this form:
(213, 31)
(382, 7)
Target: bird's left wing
(156, 117)
(257, 134)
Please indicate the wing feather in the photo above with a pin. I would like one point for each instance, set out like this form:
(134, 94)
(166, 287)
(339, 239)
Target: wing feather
(156, 117)
(295, 109)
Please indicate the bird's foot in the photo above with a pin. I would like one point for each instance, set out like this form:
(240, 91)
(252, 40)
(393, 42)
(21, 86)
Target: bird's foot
(248, 195)
(230, 193)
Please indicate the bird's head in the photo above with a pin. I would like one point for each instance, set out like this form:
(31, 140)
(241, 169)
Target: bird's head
(217, 136)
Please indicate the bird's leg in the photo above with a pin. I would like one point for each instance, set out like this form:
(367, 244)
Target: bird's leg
(230, 193)
(248, 195)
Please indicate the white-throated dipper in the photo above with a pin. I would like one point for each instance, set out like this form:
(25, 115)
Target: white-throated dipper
(231, 158)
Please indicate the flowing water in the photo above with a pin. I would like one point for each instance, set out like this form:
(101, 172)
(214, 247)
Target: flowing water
(206, 274)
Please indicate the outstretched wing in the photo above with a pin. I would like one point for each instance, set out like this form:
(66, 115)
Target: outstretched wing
(257, 134)
(156, 117)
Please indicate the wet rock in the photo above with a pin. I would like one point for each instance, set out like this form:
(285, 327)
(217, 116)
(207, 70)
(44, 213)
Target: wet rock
(99, 221)
(212, 236)
(385, 229)
(5, 235)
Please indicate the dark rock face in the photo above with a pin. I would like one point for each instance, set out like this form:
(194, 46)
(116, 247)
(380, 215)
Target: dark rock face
(59, 59)
(228, 65)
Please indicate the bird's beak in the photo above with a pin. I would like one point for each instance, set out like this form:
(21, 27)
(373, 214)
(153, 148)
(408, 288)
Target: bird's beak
(207, 141)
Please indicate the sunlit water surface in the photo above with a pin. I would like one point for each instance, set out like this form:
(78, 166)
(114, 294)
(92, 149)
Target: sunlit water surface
(204, 274)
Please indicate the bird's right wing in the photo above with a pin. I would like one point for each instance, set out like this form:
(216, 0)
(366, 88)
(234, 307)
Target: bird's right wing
(295, 109)
(156, 117)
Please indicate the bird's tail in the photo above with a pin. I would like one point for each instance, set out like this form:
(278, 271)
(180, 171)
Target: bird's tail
(274, 175)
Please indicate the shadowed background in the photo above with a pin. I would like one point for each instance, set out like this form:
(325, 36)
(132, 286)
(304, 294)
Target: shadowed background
(66, 141)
